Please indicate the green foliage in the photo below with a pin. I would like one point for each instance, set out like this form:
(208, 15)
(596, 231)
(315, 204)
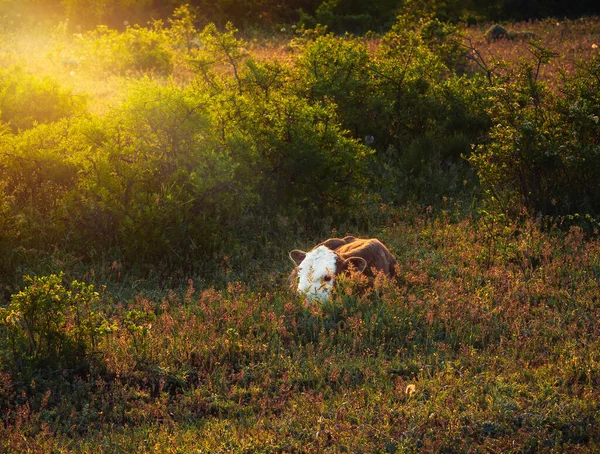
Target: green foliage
(222, 49)
(182, 30)
(51, 324)
(39, 171)
(290, 149)
(155, 183)
(349, 15)
(336, 70)
(496, 31)
(26, 100)
(405, 100)
(181, 175)
(296, 156)
(177, 176)
(138, 323)
(136, 50)
(579, 142)
(543, 149)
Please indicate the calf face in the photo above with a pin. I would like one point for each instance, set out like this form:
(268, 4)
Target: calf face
(318, 269)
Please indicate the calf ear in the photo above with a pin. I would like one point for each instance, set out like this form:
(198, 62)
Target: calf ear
(359, 263)
(297, 256)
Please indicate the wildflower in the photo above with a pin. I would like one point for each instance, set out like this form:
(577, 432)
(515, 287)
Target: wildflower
(282, 29)
(369, 140)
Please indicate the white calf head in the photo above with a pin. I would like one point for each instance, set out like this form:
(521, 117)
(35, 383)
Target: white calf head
(316, 272)
(318, 269)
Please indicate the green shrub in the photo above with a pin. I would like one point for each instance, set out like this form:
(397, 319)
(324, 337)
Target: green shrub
(543, 150)
(52, 324)
(155, 184)
(350, 15)
(136, 50)
(290, 151)
(176, 177)
(39, 169)
(431, 114)
(297, 158)
(26, 100)
(405, 100)
(334, 69)
(578, 111)
(182, 30)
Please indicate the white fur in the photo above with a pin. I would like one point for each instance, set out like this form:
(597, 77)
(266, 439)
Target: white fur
(318, 263)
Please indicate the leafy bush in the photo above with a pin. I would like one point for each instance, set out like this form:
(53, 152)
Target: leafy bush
(154, 183)
(348, 15)
(406, 100)
(291, 150)
(136, 50)
(334, 70)
(51, 324)
(543, 150)
(39, 168)
(579, 141)
(298, 158)
(26, 100)
(178, 176)
(182, 30)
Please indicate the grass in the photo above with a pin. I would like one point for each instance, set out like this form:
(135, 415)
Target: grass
(571, 41)
(488, 341)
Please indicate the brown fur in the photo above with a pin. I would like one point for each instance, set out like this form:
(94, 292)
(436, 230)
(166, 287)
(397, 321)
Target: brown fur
(373, 251)
(335, 243)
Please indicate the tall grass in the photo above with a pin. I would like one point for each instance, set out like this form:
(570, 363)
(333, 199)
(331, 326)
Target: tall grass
(487, 341)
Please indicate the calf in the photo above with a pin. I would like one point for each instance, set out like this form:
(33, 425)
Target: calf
(317, 270)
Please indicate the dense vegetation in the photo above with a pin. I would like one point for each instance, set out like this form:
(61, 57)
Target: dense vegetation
(152, 180)
(338, 15)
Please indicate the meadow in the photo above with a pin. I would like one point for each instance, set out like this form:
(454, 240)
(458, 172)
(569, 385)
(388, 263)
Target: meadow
(153, 180)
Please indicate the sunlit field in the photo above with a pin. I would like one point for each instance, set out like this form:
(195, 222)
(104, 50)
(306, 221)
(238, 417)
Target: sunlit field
(54, 52)
(154, 178)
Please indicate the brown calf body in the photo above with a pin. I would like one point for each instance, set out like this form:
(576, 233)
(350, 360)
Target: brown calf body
(371, 250)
